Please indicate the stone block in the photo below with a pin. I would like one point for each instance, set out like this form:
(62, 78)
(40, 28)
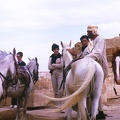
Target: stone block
(6, 102)
(8, 113)
(44, 86)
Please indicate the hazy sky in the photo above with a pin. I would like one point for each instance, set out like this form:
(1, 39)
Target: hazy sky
(32, 26)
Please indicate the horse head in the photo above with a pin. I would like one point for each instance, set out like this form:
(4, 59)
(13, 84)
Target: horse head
(33, 67)
(67, 57)
(116, 66)
(65, 46)
(8, 64)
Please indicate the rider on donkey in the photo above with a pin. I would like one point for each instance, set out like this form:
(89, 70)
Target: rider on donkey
(20, 63)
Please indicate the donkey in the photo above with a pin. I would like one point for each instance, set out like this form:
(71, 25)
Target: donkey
(11, 84)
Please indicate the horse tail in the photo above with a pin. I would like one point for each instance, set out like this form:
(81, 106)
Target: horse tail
(89, 74)
(76, 96)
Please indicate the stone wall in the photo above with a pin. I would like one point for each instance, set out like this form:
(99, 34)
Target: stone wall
(108, 86)
(44, 86)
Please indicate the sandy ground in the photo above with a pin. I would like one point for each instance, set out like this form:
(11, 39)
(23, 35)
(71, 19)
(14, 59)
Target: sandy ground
(112, 111)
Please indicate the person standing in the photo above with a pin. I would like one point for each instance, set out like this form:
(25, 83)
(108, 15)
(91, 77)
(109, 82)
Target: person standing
(55, 65)
(20, 62)
(98, 53)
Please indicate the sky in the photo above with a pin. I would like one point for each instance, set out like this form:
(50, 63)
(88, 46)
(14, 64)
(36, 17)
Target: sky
(32, 26)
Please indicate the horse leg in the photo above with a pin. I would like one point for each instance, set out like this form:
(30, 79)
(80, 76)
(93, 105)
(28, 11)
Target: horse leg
(24, 109)
(69, 113)
(18, 108)
(101, 114)
(98, 82)
(82, 108)
(89, 105)
(69, 109)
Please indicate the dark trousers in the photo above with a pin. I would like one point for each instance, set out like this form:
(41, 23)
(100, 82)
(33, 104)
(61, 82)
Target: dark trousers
(14, 101)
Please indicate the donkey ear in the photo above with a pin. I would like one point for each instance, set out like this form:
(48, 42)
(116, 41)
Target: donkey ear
(29, 59)
(70, 43)
(14, 51)
(36, 58)
(62, 44)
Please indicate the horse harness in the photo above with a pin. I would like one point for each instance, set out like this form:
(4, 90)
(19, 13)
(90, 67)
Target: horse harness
(23, 76)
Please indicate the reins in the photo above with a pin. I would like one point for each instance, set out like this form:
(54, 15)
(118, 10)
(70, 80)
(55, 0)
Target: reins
(5, 79)
(2, 76)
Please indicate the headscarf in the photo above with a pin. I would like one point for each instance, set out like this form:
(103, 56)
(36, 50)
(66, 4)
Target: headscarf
(93, 28)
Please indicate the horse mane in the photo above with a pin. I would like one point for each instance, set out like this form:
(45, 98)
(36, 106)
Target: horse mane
(115, 54)
(29, 63)
(3, 54)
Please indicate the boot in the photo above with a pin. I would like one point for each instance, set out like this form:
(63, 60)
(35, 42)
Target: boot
(100, 116)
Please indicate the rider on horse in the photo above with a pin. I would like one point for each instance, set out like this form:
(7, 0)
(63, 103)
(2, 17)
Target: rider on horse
(97, 51)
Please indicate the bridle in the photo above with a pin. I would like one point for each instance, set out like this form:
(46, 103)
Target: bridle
(13, 76)
(9, 79)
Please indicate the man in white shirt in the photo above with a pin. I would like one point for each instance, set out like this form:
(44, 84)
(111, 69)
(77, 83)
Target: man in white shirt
(98, 53)
(96, 50)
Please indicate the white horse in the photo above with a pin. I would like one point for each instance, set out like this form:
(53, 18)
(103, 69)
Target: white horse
(18, 90)
(116, 66)
(78, 85)
(7, 66)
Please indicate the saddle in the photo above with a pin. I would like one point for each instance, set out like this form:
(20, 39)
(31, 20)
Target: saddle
(23, 76)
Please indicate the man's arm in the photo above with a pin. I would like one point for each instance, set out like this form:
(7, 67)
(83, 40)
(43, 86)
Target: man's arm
(71, 52)
(50, 67)
(59, 65)
(97, 51)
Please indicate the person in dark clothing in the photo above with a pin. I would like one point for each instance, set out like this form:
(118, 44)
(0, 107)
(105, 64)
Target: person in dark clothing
(20, 63)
